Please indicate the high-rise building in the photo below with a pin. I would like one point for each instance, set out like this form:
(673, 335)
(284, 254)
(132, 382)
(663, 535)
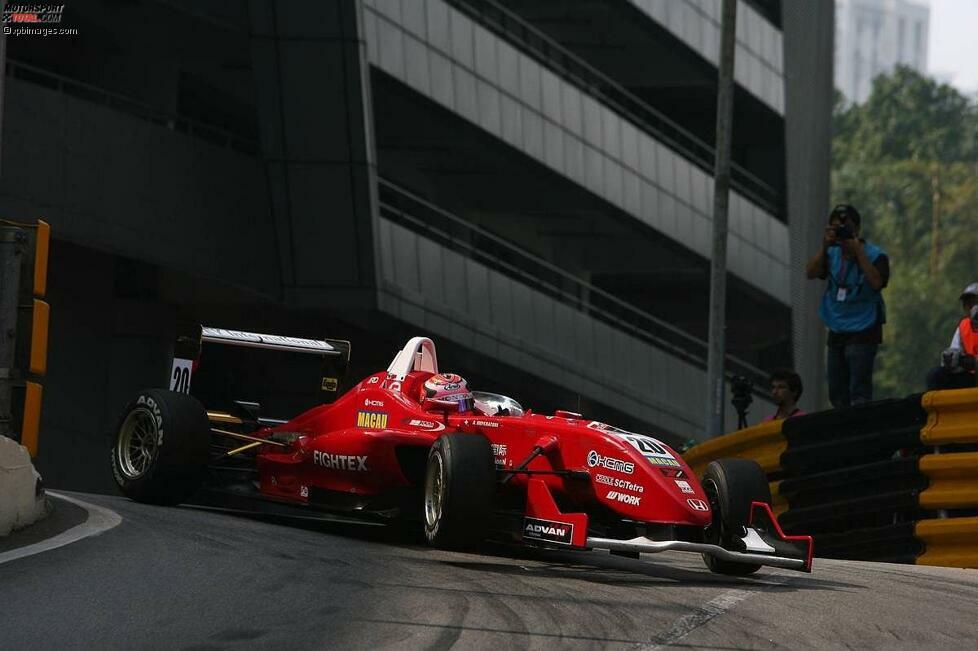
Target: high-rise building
(872, 37)
(528, 182)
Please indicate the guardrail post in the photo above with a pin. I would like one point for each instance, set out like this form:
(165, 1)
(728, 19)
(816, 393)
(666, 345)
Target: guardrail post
(12, 243)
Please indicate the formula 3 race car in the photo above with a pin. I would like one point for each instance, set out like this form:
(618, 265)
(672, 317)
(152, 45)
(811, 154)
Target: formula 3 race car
(462, 470)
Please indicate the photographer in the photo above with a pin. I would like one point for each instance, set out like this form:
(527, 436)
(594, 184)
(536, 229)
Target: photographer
(852, 306)
(957, 369)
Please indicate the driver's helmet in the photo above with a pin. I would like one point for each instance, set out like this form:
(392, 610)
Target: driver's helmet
(449, 387)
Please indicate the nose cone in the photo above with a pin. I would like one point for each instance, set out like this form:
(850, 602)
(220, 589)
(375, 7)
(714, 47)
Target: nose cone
(681, 498)
(642, 478)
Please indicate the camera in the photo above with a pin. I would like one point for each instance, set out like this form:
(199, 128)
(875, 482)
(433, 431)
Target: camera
(951, 359)
(741, 387)
(842, 232)
(956, 361)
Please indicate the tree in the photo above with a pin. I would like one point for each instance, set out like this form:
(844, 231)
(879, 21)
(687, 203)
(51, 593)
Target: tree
(908, 159)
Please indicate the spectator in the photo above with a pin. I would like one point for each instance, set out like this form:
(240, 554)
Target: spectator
(852, 306)
(957, 369)
(786, 390)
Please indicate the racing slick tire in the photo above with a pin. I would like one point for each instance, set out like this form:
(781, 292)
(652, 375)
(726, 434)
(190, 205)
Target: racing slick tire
(459, 489)
(161, 447)
(731, 485)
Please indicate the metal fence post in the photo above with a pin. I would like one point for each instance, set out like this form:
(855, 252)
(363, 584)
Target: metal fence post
(12, 243)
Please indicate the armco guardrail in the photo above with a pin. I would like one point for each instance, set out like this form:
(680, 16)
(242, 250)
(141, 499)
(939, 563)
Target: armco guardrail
(894, 480)
(953, 480)
(952, 424)
(951, 542)
(764, 443)
(952, 417)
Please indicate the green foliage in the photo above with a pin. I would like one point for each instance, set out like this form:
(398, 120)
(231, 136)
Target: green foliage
(908, 160)
(907, 117)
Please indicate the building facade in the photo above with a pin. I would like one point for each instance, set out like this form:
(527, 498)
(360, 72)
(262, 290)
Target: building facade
(526, 182)
(872, 37)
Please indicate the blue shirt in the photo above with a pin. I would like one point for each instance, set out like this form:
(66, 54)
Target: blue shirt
(850, 304)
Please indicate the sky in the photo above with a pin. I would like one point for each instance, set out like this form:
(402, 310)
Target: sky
(953, 43)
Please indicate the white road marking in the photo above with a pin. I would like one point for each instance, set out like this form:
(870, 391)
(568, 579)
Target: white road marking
(688, 623)
(712, 608)
(99, 520)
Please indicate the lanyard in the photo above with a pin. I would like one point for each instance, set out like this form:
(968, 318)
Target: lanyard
(842, 271)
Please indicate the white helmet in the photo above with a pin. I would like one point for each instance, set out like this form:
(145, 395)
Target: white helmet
(449, 387)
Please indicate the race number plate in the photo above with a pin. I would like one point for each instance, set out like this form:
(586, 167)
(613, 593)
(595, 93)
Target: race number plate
(180, 375)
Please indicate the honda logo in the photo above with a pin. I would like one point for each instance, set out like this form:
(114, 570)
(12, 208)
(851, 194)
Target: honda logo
(698, 505)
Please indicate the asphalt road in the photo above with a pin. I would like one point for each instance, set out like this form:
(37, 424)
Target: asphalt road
(186, 578)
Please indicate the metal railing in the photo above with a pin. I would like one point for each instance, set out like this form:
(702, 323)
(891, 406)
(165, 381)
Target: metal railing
(130, 106)
(455, 233)
(557, 58)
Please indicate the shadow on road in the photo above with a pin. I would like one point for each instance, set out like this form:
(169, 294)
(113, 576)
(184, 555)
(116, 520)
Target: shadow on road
(591, 567)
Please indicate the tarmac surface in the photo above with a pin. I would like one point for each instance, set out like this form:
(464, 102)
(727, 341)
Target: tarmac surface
(196, 579)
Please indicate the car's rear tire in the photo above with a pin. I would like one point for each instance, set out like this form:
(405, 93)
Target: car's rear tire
(731, 485)
(460, 486)
(161, 447)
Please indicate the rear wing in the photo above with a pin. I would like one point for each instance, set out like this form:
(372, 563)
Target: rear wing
(187, 351)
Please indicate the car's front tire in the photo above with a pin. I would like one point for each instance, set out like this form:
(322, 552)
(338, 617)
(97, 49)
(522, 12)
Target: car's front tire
(731, 485)
(460, 486)
(161, 447)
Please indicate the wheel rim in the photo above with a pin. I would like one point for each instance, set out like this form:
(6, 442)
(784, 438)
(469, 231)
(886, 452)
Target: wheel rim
(138, 443)
(434, 490)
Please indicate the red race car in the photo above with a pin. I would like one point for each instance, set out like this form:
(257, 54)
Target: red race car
(413, 444)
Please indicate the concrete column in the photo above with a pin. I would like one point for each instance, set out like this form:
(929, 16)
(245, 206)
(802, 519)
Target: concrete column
(808, 39)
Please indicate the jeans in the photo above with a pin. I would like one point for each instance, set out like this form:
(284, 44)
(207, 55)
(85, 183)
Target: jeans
(850, 374)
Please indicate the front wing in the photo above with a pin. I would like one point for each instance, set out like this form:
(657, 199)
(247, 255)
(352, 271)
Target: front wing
(764, 543)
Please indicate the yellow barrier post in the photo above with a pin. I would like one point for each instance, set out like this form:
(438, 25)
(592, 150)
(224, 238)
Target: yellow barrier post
(31, 429)
(949, 542)
(953, 481)
(952, 417)
(42, 246)
(38, 363)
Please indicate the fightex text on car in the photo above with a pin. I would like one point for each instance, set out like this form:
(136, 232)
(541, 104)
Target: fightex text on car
(411, 444)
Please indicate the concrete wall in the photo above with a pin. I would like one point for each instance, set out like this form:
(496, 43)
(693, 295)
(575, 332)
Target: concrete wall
(20, 504)
(315, 121)
(758, 61)
(118, 183)
(102, 348)
(115, 185)
(441, 53)
(449, 295)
